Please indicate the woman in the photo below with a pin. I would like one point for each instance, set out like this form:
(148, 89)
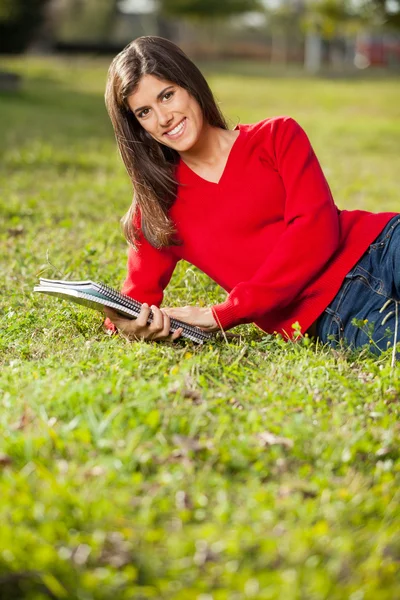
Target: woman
(250, 207)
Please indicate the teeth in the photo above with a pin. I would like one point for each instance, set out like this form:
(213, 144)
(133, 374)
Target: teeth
(177, 129)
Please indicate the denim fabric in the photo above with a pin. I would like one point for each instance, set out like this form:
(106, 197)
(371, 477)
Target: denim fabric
(370, 293)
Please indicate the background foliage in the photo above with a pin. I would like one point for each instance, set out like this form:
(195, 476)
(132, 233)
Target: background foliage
(20, 21)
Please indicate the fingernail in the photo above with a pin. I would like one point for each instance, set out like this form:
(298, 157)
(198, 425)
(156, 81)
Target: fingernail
(145, 305)
(152, 307)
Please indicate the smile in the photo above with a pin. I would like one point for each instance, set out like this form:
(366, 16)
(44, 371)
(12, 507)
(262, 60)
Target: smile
(176, 131)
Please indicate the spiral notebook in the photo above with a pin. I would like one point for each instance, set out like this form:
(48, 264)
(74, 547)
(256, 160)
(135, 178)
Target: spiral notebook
(97, 295)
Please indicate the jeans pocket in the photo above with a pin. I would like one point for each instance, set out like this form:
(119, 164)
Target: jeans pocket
(363, 276)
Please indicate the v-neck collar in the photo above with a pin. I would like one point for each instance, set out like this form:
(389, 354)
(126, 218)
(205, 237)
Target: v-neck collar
(190, 176)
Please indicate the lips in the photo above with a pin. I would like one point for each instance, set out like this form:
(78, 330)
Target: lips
(176, 131)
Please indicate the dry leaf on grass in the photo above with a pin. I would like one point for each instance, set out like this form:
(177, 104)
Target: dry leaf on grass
(5, 460)
(236, 404)
(193, 395)
(183, 500)
(187, 444)
(15, 231)
(25, 419)
(188, 390)
(270, 439)
(95, 471)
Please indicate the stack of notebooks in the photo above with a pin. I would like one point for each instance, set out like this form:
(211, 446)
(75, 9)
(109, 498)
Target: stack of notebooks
(97, 295)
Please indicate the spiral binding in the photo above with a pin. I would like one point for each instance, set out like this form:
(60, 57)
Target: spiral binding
(118, 297)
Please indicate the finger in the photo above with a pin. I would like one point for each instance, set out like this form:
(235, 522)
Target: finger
(166, 329)
(143, 315)
(158, 319)
(177, 334)
(166, 334)
(155, 328)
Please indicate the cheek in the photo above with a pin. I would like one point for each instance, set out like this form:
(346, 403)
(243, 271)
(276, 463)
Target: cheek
(148, 125)
(199, 118)
(195, 112)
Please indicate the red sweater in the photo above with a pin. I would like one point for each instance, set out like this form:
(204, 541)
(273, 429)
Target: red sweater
(268, 232)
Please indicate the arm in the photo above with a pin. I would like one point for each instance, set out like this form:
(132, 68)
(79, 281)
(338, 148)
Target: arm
(149, 271)
(310, 237)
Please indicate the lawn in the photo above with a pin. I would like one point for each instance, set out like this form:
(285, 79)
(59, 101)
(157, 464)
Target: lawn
(244, 468)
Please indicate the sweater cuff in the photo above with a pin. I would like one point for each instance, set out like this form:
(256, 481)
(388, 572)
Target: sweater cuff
(225, 314)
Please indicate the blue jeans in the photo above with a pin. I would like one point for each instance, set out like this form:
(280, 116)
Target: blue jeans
(369, 293)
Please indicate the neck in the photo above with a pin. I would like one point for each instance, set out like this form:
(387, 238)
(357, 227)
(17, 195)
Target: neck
(212, 144)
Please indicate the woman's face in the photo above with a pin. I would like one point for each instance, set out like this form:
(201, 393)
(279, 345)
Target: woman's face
(167, 112)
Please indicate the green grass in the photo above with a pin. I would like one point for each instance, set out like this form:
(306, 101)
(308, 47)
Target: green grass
(135, 471)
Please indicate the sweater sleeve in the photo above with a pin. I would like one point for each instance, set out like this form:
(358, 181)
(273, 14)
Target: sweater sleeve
(149, 271)
(309, 239)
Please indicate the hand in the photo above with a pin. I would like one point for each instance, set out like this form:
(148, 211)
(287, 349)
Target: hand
(199, 316)
(139, 329)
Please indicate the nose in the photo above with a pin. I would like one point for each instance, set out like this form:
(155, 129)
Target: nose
(164, 116)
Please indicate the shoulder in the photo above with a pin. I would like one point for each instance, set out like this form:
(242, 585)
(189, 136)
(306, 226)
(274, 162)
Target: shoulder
(272, 137)
(270, 127)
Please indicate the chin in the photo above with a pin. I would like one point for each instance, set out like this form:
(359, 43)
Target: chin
(187, 144)
(184, 147)
(179, 146)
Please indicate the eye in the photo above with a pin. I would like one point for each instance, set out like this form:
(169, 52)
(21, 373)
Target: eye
(143, 113)
(168, 95)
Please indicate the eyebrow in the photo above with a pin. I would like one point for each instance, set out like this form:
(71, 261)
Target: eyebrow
(159, 96)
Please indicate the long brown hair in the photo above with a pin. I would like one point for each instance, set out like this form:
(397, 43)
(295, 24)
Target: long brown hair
(149, 164)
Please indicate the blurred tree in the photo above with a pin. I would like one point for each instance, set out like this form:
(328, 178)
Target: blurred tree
(328, 20)
(19, 22)
(384, 12)
(208, 16)
(87, 21)
(208, 9)
(284, 28)
(333, 14)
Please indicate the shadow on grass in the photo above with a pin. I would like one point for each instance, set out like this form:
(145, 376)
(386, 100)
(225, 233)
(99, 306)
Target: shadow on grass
(51, 111)
(49, 124)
